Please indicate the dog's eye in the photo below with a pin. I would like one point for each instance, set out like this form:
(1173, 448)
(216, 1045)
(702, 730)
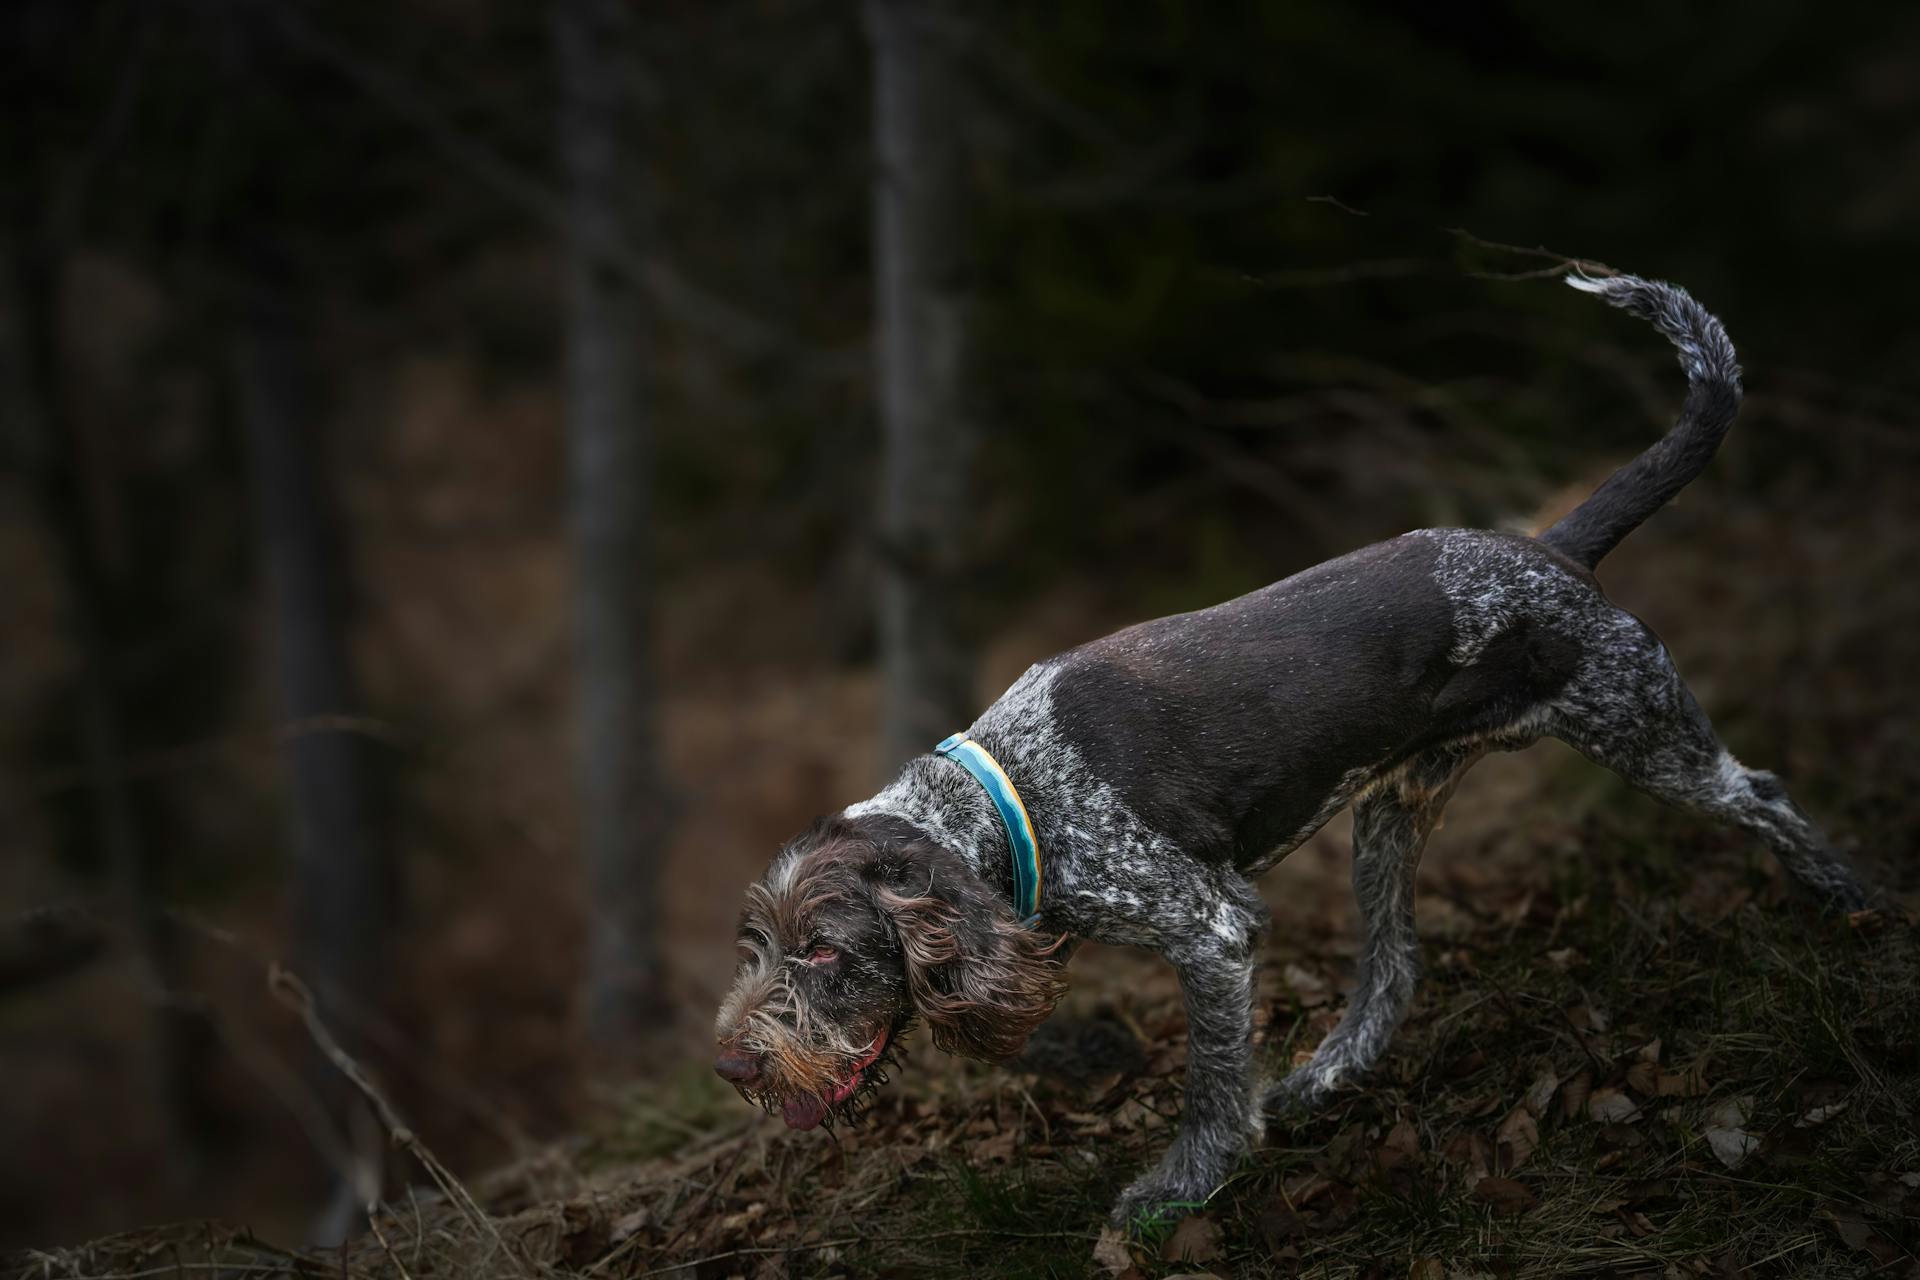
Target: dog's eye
(823, 953)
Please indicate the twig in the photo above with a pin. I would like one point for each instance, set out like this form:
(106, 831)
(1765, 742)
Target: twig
(419, 1060)
(373, 1225)
(290, 991)
(817, 1245)
(1339, 204)
(1046, 1130)
(1562, 263)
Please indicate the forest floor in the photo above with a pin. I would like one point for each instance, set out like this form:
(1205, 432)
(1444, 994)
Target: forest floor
(1647, 1059)
(1635, 1053)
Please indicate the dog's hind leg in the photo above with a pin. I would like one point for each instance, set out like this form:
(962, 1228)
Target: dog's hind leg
(1391, 822)
(1628, 709)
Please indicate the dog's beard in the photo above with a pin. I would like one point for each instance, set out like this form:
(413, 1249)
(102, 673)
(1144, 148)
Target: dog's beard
(848, 1093)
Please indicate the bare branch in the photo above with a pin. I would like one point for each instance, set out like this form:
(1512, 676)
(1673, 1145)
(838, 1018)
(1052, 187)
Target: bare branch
(699, 308)
(293, 993)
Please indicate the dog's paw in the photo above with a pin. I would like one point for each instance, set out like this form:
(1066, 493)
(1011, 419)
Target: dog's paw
(1304, 1092)
(1154, 1203)
(1849, 895)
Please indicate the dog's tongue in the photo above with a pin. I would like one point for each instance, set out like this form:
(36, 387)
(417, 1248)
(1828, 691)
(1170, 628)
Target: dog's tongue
(803, 1111)
(806, 1110)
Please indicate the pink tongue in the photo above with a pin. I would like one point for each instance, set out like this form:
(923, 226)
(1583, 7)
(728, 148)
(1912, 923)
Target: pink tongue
(803, 1111)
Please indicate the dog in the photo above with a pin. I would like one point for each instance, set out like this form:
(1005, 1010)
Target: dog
(1131, 790)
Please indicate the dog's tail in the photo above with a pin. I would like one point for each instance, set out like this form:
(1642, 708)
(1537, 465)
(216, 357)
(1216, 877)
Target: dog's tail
(1646, 484)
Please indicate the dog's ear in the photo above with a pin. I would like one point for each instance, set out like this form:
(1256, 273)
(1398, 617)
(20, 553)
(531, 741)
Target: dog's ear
(981, 979)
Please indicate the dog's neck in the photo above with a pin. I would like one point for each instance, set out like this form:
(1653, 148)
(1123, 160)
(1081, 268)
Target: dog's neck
(941, 799)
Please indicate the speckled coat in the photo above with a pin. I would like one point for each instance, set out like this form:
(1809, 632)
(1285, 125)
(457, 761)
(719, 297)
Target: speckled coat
(1167, 765)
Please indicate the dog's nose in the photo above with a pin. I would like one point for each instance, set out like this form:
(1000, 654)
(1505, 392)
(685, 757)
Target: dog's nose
(737, 1067)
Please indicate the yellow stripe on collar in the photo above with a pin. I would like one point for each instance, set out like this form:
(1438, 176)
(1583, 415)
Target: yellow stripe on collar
(1025, 846)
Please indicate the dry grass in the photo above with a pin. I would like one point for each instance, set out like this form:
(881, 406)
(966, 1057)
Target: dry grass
(1550, 1110)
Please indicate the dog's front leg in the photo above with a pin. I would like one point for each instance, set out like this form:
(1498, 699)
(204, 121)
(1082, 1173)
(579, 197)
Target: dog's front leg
(1217, 1119)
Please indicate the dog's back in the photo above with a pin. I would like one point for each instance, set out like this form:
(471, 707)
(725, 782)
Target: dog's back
(1243, 726)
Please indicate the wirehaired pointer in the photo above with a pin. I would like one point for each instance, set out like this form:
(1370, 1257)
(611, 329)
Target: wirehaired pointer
(1130, 790)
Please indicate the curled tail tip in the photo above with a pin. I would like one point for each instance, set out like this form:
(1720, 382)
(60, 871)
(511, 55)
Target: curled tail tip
(1641, 487)
(1578, 279)
(1705, 351)
(1617, 289)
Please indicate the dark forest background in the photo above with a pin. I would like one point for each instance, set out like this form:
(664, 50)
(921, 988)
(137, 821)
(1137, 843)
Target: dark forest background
(475, 475)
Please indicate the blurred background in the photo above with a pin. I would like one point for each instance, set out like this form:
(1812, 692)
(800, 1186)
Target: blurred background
(474, 476)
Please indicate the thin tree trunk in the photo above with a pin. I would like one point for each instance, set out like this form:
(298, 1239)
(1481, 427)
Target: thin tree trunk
(50, 441)
(623, 801)
(923, 295)
(340, 874)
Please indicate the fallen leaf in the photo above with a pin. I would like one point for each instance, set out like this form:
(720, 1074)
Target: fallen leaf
(1566, 958)
(1851, 1228)
(1303, 1189)
(1573, 1098)
(1726, 1133)
(1196, 1239)
(1857, 1233)
(735, 1221)
(1505, 1196)
(1309, 988)
(997, 1147)
(1278, 1224)
(1611, 1106)
(631, 1224)
(1111, 1252)
(1820, 1115)
(1400, 1147)
(1621, 1136)
(1466, 1064)
(1587, 1018)
(1540, 1093)
(1869, 920)
(1690, 1082)
(1470, 1151)
(1338, 1155)
(1516, 1139)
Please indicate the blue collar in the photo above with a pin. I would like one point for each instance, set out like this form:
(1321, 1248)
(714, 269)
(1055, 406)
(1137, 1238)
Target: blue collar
(973, 757)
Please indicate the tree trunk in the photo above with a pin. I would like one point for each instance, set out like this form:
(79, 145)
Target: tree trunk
(923, 295)
(56, 459)
(340, 884)
(340, 881)
(622, 798)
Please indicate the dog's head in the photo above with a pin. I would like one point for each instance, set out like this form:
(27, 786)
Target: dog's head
(857, 930)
